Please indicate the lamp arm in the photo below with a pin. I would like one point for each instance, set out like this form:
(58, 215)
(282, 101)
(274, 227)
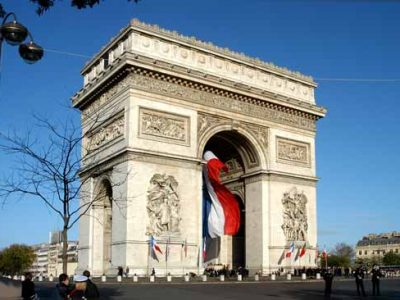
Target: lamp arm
(6, 17)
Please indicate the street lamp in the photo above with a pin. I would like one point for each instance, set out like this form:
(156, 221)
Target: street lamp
(14, 34)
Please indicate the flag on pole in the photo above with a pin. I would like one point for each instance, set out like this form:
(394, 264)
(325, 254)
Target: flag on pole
(224, 215)
(324, 254)
(291, 250)
(303, 250)
(221, 213)
(185, 248)
(154, 247)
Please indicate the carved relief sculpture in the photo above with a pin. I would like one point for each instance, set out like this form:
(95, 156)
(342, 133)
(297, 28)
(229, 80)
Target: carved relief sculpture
(107, 133)
(164, 126)
(294, 152)
(294, 215)
(163, 205)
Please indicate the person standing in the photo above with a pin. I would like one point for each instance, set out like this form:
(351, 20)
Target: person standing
(28, 287)
(359, 275)
(376, 275)
(63, 286)
(91, 291)
(328, 277)
(80, 287)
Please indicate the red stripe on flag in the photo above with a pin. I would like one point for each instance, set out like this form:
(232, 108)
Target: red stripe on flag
(225, 197)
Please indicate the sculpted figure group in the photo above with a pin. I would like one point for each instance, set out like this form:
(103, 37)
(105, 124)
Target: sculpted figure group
(294, 215)
(163, 205)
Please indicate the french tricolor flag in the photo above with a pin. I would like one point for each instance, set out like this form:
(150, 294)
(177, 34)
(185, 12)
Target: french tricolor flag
(221, 210)
(154, 247)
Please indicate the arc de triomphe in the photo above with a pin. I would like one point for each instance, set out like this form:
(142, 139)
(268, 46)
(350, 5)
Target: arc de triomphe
(152, 102)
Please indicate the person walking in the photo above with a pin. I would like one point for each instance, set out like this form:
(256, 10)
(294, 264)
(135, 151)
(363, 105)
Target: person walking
(328, 277)
(91, 291)
(359, 275)
(376, 275)
(28, 287)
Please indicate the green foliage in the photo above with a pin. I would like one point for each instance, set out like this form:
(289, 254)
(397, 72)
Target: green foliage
(44, 5)
(16, 259)
(338, 261)
(391, 258)
(368, 262)
(341, 255)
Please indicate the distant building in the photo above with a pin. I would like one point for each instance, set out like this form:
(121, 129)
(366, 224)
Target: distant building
(377, 245)
(49, 256)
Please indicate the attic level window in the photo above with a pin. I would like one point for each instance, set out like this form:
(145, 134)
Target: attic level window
(105, 57)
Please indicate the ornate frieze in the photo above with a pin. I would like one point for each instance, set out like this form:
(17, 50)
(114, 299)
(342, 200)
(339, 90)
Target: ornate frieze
(104, 135)
(292, 152)
(295, 224)
(165, 46)
(104, 98)
(163, 206)
(209, 96)
(164, 127)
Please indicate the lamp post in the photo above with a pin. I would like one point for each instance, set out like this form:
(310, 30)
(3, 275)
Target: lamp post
(15, 34)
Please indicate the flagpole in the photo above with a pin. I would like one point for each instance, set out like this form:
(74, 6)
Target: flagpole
(166, 257)
(148, 260)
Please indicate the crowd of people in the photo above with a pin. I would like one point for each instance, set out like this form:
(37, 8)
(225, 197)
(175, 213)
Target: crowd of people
(212, 271)
(82, 288)
(359, 275)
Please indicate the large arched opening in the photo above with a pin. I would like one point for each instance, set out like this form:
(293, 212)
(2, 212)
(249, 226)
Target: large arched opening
(238, 153)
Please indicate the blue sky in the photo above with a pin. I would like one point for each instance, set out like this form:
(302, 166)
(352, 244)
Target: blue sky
(358, 142)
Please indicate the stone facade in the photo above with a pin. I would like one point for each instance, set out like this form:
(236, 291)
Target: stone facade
(377, 245)
(152, 102)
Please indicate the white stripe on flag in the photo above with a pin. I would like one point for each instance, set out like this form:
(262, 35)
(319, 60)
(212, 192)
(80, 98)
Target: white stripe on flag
(216, 218)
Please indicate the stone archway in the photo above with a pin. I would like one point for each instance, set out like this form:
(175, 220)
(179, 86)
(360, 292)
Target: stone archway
(239, 154)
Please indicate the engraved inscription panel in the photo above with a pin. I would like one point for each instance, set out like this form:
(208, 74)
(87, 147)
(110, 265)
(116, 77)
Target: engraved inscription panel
(164, 127)
(293, 152)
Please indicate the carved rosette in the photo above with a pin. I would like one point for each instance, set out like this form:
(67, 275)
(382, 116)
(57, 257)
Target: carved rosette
(295, 224)
(163, 206)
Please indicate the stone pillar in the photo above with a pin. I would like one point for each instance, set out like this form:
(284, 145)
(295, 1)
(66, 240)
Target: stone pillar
(257, 252)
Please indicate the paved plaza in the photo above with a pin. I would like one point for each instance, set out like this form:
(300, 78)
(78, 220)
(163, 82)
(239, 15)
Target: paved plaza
(342, 289)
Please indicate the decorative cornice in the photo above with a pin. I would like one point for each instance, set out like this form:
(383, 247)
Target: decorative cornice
(121, 67)
(136, 25)
(98, 167)
(280, 177)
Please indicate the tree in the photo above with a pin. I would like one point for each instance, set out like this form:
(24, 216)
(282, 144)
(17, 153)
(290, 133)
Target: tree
(16, 259)
(48, 170)
(391, 258)
(342, 255)
(44, 5)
